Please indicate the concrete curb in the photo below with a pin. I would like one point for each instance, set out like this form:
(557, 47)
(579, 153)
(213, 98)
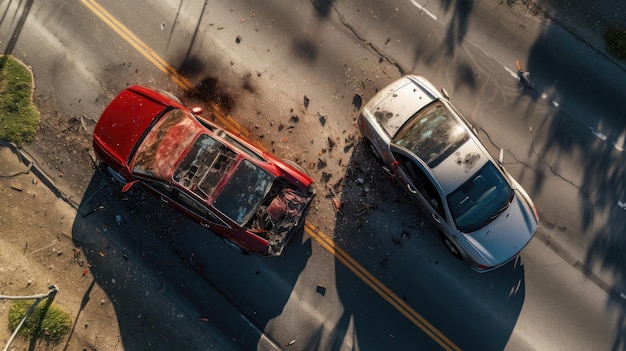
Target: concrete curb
(28, 161)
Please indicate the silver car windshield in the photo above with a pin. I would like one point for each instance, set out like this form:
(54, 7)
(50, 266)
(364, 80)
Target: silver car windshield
(480, 199)
(433, 134)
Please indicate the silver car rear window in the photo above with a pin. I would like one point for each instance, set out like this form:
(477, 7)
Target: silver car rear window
(433, 134)
(480, 199)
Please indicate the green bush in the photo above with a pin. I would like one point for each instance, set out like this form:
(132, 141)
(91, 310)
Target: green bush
(615, 39)
(19, 117)
(47, 322)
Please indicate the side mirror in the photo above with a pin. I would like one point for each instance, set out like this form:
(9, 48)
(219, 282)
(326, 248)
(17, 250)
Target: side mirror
(129, 185)
(197, 110)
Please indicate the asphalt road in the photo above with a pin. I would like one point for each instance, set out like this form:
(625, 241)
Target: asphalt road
(385, 281)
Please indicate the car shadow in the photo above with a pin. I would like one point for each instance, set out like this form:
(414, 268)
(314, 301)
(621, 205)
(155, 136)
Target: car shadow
(173, 282)
(381, 229)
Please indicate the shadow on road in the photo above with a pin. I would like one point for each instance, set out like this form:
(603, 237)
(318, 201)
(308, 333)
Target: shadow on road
(387, 234)
(171, 281)
(587, 134)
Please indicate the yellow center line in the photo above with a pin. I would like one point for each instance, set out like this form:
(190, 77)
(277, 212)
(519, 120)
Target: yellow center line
(160, 63)
(327, 243)
(320, 237)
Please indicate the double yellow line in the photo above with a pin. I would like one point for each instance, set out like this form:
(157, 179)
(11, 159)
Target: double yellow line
(325, 241)
(160, 63)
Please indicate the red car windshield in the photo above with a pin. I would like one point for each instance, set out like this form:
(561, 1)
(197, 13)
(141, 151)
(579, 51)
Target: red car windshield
(165, 142)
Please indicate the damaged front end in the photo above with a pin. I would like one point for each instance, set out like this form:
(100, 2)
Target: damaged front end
(281, 214)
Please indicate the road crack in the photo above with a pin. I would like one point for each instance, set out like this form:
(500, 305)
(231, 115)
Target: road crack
(369, 44)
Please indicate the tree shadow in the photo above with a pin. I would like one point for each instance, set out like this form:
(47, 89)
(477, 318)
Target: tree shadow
(585, 134)
(458, 26)
(19, 18)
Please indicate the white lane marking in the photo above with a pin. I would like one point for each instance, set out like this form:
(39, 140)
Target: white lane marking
(598, 134)
(513, 74)
(423, 9)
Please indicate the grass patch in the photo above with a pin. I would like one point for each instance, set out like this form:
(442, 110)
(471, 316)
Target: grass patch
(19, 117)
(46, 322)
(615, 39)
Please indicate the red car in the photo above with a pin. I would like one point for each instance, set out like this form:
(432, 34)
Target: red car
(250, 198)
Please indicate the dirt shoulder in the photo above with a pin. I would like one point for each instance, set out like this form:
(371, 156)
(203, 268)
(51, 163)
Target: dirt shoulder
(113, 301)
(36, 251)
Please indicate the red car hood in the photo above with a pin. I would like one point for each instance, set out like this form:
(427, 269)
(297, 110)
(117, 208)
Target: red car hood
(124, 122)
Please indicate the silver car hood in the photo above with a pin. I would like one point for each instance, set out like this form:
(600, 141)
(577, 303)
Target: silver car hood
(398, 102)
(507, 235)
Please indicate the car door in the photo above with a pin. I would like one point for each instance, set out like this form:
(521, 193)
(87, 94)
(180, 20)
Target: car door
(420, 187)
(185, 203)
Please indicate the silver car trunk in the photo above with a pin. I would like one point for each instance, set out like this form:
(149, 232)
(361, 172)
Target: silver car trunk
(398, 102)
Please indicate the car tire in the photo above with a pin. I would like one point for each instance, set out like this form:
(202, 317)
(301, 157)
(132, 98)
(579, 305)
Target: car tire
(234, 247)
(454, 250)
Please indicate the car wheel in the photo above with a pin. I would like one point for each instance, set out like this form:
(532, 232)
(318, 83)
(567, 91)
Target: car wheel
(371, 147)
(451, 247)
(169, 95)
(234, 247)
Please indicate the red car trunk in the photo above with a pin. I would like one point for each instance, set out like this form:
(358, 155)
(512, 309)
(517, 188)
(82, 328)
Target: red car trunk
(123, 123)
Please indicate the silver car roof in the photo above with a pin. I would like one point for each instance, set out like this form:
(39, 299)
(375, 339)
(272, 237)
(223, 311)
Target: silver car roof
(396, 103)
(399, 101)
(460, 166)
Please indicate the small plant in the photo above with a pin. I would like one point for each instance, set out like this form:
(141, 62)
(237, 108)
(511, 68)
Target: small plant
(47, 321)
(615, 39)
(19, 117)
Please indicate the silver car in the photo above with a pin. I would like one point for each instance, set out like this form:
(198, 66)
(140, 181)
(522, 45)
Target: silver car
(483, 215)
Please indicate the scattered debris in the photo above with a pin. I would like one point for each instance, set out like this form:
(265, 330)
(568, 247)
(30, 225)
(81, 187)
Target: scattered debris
(357, 101)
(397, 242)
(99, 208)
(16, 188)
(337, 205)
(306, 102)
(326, 177)
(331, 144)
(238, 39)
(384, 262)
(322, 119)
(347, 148)
(291, 342)
(294, 119)
(118, 219)
(321, 163)
(321, 290)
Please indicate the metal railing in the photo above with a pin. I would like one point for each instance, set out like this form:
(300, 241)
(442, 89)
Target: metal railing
(52, 290)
